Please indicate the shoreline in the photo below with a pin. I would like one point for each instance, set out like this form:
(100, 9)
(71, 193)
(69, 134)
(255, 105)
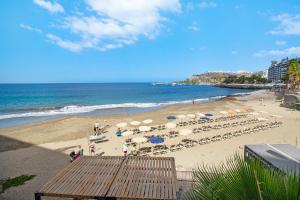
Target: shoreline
(19, 120)
(245, 86)
(67, 128)
(42, 149)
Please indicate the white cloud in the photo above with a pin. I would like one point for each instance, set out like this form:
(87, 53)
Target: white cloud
(284, 52)
(114, 24)
(51, 7)
(72, 46)
(280, 42)
(194, 27)
(288, 25)
(207, 4)
(30, 28)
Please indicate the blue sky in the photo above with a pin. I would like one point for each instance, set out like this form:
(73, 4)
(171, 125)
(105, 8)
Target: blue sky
(45, 41)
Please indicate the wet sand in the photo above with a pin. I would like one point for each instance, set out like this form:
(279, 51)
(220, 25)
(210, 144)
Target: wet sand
(41, 148)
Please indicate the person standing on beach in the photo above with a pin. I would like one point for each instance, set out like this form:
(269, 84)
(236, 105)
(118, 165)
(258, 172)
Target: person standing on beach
(262, 101)
(125, 149)
(80, 150)
(96, 128)
(92, 149)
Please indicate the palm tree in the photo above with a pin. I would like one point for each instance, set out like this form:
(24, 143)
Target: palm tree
(294, 74)
(243, 180)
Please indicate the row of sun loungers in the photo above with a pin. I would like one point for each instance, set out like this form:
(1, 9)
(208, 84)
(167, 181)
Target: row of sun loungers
(192, 122)
(188, 143)
(218, 119)
(173, 134)
(226, 125)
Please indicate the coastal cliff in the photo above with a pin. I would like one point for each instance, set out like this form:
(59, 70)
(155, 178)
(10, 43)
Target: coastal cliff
(226, 78)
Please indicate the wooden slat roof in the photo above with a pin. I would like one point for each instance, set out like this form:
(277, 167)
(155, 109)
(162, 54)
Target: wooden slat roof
(115, 176)
(145, 177)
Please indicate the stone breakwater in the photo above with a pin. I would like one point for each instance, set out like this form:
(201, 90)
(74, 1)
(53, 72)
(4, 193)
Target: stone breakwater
(245, 86)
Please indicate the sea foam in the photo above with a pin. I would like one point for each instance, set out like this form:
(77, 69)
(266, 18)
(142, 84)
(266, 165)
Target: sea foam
(75, 109)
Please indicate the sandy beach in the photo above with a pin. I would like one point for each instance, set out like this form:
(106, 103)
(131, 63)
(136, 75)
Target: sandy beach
(42, 148)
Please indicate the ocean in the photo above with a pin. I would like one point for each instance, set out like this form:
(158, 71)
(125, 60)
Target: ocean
(26, 103)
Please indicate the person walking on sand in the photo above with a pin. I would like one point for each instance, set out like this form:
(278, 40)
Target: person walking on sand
(96, 128)
(125, 149)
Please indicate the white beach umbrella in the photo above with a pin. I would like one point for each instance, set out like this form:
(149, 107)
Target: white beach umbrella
(237, 110)
(127, 133)
(191, 116)
(122, 125)
(139, 139)
(170, 125)
(144, 128)
(254, 113)
(185, 132)
(200, 114)
(148, 121)
(261, 119)
(224, 112)
(135, 123)
(181, 116)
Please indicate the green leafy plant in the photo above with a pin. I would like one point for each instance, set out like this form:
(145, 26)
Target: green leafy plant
(241, 180)
(14, 182)
(254, 78)
(294, 74)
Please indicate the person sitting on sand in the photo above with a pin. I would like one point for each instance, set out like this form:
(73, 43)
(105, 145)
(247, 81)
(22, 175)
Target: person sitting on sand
(134, 150)
(125, 149)
(119, 132)
(74, 156)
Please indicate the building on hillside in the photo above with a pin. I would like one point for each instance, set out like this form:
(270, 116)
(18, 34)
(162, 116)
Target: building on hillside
(265, 73)
(278, 70)
(283, 157)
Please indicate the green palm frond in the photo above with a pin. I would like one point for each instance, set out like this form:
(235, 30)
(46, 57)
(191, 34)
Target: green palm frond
(239, 180)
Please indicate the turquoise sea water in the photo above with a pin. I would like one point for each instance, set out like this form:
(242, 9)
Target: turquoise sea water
(24, 103)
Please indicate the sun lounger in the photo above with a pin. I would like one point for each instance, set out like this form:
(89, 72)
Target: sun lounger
(176, 147)
(94, 138)
(100, 141)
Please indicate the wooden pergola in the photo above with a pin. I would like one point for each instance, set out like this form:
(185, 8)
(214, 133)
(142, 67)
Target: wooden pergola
(114, 177)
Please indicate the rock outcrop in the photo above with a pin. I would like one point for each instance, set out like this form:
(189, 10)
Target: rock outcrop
(291, 101)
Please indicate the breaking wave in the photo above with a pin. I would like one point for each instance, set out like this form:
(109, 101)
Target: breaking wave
(75, 109)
